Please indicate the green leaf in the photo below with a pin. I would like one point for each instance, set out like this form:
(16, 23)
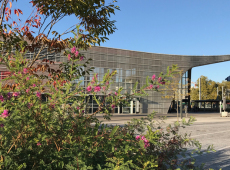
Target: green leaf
(142, 145)
(113, 131)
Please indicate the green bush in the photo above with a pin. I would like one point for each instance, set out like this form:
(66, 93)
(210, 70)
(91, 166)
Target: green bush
(59, 135)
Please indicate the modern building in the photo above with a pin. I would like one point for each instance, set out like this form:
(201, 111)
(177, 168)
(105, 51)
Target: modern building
(135, 66)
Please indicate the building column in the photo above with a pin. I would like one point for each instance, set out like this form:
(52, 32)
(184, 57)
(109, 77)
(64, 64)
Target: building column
(131, 107)
(137, 107)
(189, 86)
(141, 108)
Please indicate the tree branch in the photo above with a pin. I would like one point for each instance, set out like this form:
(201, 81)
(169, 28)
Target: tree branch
(35, 58)
(3, 10)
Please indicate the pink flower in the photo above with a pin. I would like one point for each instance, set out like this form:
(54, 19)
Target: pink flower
(81, 58)
(113, 106)
(25, 70)
(2, 125)
(34, 85)
(153, 77)
(5, 114)
(73, 50)
(76, 53)
(146, 141)
(38, 94)
(147, 145)
(39, 144)
(27, 78)
(104, 88)
(15, 94)
(107, 83)
(150, 86)
(78, 108)
(27, 90)
(97, 89)
(159, 79)
(89, 88)
(162, 82)
(93, 81)
(138, 137)
(9, 95)
(1, 98)
(157, 87)
(69, 56)
(115, 93)
(29, 105)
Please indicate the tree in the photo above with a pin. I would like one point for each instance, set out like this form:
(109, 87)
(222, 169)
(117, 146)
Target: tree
(95, 26)
(208, 89)
(226, 86)
(194, 93)
(94, 17)
(172, 91)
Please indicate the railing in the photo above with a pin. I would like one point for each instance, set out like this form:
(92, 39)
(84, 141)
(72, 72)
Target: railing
(4, 74)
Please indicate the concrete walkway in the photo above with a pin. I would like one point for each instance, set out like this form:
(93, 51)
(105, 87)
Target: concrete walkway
(121, 119)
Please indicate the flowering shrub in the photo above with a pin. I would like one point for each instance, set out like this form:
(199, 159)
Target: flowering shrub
(144, 139)
(56, 135)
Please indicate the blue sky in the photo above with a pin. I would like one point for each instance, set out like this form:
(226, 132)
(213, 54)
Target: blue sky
(191, 27)
(187, 27)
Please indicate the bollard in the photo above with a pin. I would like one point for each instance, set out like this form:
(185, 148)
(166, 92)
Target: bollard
(220, 106)
(186, 110)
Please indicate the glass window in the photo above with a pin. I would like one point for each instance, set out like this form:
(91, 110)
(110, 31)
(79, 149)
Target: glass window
(78, 80)
(97, 70)
(128, 72)
(134, 71)
(100, 77)
(102, 71)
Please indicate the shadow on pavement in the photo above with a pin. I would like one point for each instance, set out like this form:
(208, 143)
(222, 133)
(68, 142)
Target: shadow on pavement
(215, 160)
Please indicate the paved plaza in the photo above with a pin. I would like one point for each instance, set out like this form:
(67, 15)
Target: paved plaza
(209, 129)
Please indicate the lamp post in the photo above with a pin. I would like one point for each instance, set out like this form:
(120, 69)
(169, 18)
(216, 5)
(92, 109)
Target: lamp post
(199, 92)
(181, 97)
(222, 92)
(177, 106)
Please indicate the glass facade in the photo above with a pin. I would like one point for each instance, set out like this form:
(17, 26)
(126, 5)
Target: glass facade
(131, 67)
(185, 84)
(183, 90)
